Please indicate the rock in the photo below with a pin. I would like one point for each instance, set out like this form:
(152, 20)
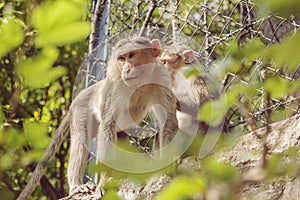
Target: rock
(245, 154)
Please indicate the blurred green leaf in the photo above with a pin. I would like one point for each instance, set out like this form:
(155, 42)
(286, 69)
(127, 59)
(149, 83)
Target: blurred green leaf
(111, 195)
(32, 156)
(213, 112)
(6, 194)
(192, 71)
(221, 172)
(6, 161)
(2, 4)
(183, 187)
(277, 87)
(53, 14)
(36, 134)
(253, 49)
(38, 72)
(284, 8)
(250, 49)
(285, 53)
(13, 138)
(2, 117)
(223, 66)
(248, 90)
(112, 184)
(68, 33)
(59, 23)
(11, 36)
(274, 167)
(293, 152)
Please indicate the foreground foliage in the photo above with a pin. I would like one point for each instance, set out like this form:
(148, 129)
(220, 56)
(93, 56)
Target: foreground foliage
(42, 44)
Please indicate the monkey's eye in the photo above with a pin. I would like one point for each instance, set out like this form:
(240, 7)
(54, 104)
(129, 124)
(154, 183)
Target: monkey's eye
(163, 62)
(121, 58)
(131, 54)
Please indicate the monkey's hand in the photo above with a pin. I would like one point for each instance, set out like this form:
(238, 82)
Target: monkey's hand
(99, 193)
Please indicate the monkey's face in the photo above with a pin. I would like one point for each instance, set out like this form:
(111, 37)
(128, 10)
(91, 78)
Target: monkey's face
(172, 60)
(135, 65)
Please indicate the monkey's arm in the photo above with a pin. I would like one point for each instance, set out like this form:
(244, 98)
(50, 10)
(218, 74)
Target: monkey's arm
(60, 136)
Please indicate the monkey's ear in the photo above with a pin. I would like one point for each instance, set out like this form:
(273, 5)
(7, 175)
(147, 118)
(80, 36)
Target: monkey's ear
(156, 47)
(188, 56)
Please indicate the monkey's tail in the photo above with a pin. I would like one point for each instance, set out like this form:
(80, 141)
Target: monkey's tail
(60, 136)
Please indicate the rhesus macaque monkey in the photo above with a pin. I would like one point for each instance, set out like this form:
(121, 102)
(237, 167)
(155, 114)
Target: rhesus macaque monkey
(94, 111)
(175, 58)
(135, 82)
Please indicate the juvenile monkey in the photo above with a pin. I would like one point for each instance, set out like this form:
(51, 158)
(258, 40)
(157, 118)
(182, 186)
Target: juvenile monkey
(175, 58)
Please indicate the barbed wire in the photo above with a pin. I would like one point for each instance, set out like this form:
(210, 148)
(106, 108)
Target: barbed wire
(208, 27)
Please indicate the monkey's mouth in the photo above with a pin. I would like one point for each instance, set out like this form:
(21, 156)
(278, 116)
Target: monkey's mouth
(130, 78)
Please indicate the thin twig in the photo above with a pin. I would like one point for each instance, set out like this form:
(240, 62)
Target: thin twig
(153, 5)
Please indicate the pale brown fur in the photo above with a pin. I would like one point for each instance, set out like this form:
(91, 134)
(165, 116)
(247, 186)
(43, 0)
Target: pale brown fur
(85, 114)
(133, 62)
(142, 98)
(175, 58)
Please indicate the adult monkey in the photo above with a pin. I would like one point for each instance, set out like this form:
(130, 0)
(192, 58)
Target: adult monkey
(132, 67)
(132, 57)
(136, 82)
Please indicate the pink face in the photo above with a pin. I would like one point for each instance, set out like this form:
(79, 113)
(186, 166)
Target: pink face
(134, 64)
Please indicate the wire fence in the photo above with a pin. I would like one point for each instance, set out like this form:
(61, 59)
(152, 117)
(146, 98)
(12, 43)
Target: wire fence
(207, 27)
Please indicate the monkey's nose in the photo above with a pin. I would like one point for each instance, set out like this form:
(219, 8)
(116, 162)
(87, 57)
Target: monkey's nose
(127, 70)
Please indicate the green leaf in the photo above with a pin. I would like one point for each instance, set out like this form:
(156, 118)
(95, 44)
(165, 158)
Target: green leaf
(68, 33)
(13, 138)
(284, 8)
(277, 87)
(192, 71)
(6, 161)
(54, 14)
(111, 195)
(59, 23)
(253, 49)
(221, 172)
(38, 72)
(6, 194)
(32, 156)
(223, 66)
(11, 36)
(293, 152)
(36, 134)
(274, 168)
(2, 118)
(213, 112)
(285, 53)
(249, 90)
(183, 187)
(2, 5)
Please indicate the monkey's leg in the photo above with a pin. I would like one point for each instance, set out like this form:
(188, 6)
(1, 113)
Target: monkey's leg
(79, 150)
(170, 127)
(107, 135)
